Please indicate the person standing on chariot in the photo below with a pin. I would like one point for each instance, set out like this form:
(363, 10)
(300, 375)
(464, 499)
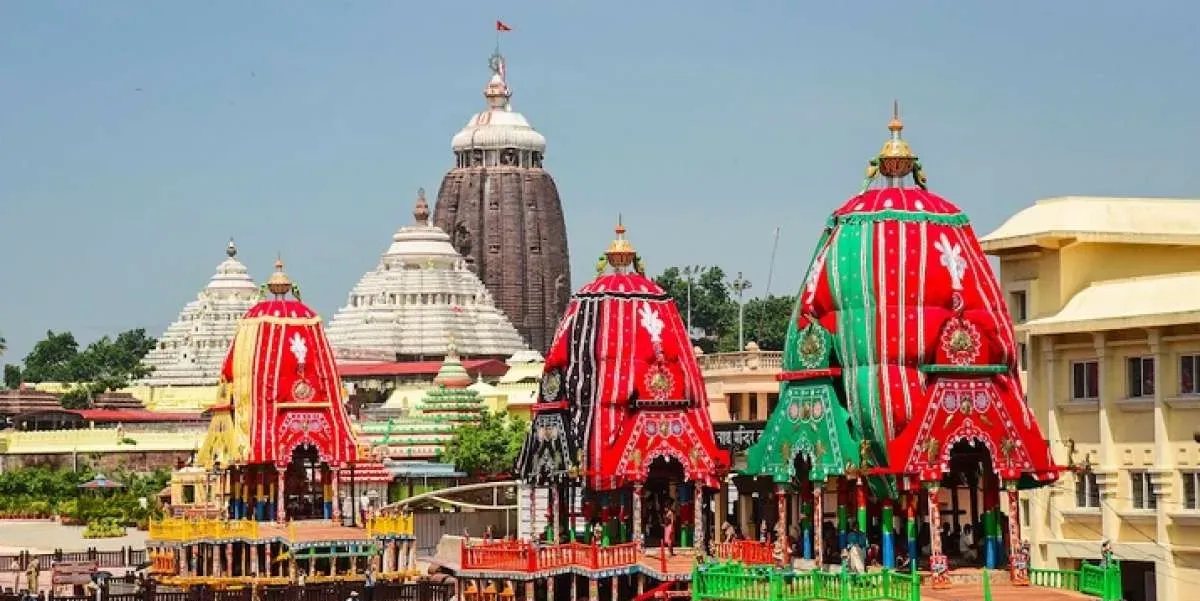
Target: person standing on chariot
(668, 538)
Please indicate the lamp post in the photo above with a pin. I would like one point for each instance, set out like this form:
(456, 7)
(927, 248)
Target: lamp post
(690, 272)
(740, 286)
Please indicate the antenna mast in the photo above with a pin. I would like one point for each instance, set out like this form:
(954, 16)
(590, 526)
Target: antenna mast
(767, 292)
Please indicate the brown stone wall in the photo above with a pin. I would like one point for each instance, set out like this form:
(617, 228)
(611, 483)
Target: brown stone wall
(104, 462)
(516, 234)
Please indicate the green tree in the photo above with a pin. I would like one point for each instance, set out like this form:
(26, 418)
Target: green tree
(12, 376)
(489, 448)
(713, 309)
(52, 359)
(765, 321)
(106, 364)
(3, 346)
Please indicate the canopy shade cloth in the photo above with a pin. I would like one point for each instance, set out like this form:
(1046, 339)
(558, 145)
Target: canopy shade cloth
(621, 386)
(279, 389)
(900, 323)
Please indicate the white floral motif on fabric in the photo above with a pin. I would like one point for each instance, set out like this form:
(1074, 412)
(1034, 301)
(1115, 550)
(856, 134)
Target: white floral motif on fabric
(651, 322)
(952, 260)
(299, 348)
(814, 275)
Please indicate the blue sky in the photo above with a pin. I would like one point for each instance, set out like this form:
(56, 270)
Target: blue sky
(137, 137)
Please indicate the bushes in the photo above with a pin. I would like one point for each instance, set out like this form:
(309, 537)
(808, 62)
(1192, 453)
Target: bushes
(39, 492)
(104, 528)
(24, 507)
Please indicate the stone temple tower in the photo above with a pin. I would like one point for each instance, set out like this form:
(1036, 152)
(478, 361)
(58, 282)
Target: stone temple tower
(502, 211)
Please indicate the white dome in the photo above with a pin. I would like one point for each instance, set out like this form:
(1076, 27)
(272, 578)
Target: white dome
(232, 276)
(421, 296)
(499, 127)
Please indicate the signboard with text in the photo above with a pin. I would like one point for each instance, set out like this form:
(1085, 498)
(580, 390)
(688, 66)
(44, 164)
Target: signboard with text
(738, 436)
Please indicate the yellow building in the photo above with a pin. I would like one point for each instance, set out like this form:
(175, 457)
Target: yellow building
(742, 393)
(1106, 296)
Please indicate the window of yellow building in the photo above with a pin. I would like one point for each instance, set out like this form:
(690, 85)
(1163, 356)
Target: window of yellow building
(1191, 484)
(1018, 306)
(1087, 493)
(1143, 493)
(1189, 366)
(1085, 380)
(1139, 373)
(735, 406)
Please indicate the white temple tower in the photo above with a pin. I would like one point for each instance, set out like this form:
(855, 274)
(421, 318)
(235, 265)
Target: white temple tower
(422, 295)
(190, 352)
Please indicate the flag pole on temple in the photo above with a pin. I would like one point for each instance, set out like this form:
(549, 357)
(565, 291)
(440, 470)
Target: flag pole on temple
(497, 62)
(501, 27)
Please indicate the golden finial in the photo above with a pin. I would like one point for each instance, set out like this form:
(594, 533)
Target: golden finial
(620, 253)
(279, 283)
(421, 211)
(897, 159)
(895, 124)
(452, 348)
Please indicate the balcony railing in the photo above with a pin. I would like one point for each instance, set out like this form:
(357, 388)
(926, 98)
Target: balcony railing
(181, 530)
(521, 556)
(745, 551)
(385, 526)
(767, 361)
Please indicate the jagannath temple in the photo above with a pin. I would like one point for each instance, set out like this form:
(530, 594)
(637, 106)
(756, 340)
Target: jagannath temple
(281, 446)
(622, 440)
(501, 208)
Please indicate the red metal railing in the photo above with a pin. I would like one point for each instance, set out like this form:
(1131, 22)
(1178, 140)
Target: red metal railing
(510, 556)
(746, 551)
(515, 556)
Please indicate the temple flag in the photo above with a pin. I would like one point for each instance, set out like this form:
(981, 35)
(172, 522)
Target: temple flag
(500, 26)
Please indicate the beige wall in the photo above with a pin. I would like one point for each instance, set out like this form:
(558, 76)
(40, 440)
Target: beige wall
(1118, 435)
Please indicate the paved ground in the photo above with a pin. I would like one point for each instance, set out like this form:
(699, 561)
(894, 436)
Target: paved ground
(46, 536)
(1000, 592)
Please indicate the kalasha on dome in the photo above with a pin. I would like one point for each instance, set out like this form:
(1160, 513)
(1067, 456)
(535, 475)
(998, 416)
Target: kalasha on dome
(901, 306)
(280, 424)
(621, 387)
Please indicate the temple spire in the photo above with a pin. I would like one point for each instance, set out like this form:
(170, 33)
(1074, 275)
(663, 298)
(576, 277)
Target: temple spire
(421, 210)
(497, 91)
(231, 249)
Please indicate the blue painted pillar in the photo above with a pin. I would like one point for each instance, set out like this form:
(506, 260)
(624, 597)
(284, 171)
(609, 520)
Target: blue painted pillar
(889, 548)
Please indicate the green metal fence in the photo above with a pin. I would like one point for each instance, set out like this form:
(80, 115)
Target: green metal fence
(735, 582)
(1103, 582)
(732, 581)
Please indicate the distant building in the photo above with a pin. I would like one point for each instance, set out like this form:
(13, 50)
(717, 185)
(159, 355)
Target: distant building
(420, 296)
(1106, 296)
(187, 361)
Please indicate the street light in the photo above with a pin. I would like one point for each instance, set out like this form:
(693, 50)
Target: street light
(690, 272)
(740, 286)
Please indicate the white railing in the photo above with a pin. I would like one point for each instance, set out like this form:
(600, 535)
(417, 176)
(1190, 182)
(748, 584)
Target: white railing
(741, 361)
